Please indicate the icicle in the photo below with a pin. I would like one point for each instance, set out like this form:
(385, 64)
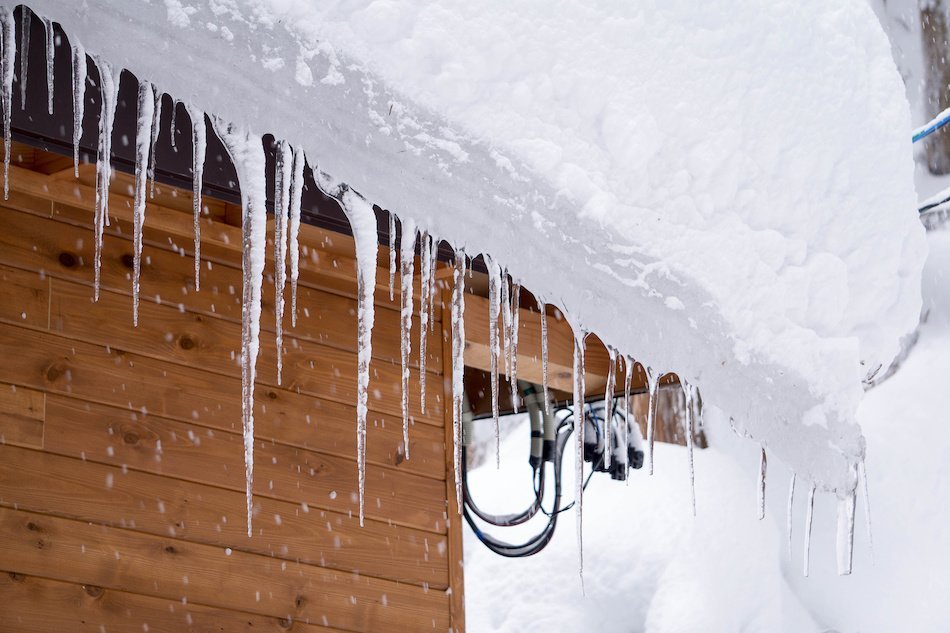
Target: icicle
(495, 278)
(433, 286)
(143, 139)
(199, 145)
(628, 412)
(156, 126)
(506, 321)
(863, 475)
(423, 314)
(6, 65)
(26, 19)
(173, 126)
(763, 466)
(50, 61)
(109, 90)
(653, 387)
(845, 544)
(283, 167)
(544, 354)
(579, 392)
(392, 254)
(458, 366)
(609, 403)
(809, 514)
(407, 256)
(688, 392)
(362, 220)
(247, 154)
(513, 344)
(788, 515)
(296, 195)
(79, 98)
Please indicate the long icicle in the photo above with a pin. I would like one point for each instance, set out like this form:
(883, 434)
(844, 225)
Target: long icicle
(505, 302)
(199, 144)
(143, 140)
(156, 126)
(173, 126)
(79, 97)
(424, 293)
(458, 366)
(494, 299)
(247, 154)
(863, 475)
(763, 467)
(296, 195)
(544, 354)
(688, 392)
(609, 404)
(513, 344)
(789, 514)
(628, 366)
(284, 165)
(845, 532)
(653, 387)
(392, 255)
(809, 515)
(579, 424)
(50, 61)
(407, 256)
(109, 90)
(7, 59)
(26, 20)
(434, 285)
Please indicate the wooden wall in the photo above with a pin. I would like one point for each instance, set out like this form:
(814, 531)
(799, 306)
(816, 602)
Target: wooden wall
(121, 460)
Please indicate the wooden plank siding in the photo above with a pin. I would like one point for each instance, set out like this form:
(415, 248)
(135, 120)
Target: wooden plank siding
(121, 450)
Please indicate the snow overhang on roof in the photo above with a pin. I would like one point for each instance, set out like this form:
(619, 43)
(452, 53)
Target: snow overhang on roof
(727, 197)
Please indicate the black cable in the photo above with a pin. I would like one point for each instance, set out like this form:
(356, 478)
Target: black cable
(505, 520)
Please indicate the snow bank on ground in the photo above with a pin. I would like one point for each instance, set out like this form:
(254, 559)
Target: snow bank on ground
(650, 565)
(723, 191)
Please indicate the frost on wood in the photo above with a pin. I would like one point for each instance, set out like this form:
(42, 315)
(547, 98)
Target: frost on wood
(143, 141)
(283, 176)
(407, 255)
(7, 59)
(495, 287)
(579, 392)
(458, 366)
(296, 195)
(109, 92)
(247, 154)
(199, 144)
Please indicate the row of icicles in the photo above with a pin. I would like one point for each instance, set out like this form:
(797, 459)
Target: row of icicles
(247, 154)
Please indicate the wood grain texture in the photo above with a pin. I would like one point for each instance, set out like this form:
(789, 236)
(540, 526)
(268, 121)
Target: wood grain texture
(32, 604)
(22, 413)
(113, 495)
(173, 569)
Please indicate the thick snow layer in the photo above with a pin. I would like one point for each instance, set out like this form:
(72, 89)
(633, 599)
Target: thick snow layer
(720, 190)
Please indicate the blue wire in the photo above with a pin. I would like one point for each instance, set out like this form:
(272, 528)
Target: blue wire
(930, 129)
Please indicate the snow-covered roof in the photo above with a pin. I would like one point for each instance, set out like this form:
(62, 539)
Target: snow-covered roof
(717, 189)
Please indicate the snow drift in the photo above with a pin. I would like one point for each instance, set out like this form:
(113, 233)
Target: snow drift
(720, 190)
